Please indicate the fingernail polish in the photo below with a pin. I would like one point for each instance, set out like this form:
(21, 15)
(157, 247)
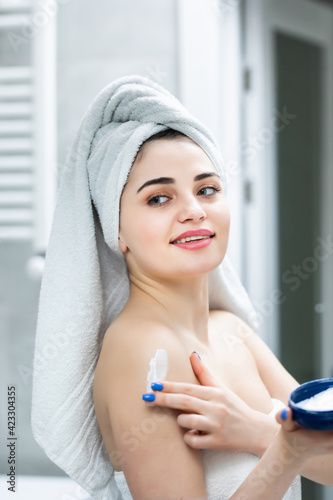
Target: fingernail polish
(156, 386)
(195, 352)
(148, 397)
(284, 414)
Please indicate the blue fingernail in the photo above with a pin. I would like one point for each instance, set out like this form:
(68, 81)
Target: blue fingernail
(284, 414)
(156, 386)
(148, 397)
(195, 352)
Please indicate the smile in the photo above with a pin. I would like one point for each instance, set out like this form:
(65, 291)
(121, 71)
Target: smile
(191, 238)
(193, 235)
(194, 239)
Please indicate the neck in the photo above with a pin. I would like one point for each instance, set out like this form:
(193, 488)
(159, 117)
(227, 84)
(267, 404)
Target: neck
(182, 304)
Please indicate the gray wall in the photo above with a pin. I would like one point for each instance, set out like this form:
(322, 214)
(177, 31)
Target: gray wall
(103, 40)
(18, 315)
(97, 42)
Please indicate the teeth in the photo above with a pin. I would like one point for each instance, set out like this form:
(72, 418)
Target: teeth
(191, 238)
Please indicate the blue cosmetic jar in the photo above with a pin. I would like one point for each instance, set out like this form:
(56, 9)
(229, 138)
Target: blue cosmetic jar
(311, 419)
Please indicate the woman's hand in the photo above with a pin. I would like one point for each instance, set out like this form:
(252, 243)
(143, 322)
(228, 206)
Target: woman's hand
(286, 457)
(215, 416)
(305, 442)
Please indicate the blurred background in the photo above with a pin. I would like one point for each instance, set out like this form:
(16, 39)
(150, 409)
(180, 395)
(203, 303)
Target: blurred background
(259, 74)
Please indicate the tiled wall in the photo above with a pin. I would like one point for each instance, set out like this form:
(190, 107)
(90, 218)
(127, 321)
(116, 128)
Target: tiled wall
(97, 42)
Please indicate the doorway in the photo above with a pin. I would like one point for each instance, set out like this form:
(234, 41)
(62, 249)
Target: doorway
(298, 71)
(288, 114)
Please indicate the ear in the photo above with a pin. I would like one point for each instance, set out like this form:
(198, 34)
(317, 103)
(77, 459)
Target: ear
(122, 245)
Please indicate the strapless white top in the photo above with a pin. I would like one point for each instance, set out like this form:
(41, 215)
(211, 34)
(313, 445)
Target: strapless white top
(225, 472)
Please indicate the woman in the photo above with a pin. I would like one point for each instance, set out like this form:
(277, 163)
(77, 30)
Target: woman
(174, 228)
(122, 280)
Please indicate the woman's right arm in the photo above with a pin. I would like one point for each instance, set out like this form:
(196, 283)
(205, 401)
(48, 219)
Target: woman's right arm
(149, 443)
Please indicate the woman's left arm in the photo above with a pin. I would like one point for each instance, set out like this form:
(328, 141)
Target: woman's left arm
(225, 421)
(280, 384)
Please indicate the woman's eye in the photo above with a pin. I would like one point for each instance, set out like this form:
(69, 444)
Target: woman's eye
(207, 191)
(158, 199)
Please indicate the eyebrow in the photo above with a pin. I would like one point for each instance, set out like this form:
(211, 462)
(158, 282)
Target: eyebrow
(170, 180)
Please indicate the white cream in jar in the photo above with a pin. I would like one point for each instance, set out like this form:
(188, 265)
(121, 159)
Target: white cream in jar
(323, 401)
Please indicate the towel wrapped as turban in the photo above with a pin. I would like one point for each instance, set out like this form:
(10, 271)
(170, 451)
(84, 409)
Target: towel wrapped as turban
(85, 283)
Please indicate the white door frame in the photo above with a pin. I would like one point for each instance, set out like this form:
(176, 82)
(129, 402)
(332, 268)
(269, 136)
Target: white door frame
(312, 22)
(209, 72)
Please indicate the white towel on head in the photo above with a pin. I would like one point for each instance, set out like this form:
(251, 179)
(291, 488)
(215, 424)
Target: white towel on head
(85, 283)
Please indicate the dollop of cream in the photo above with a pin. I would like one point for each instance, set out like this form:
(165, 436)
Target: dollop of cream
(323, 401)
(158, 368)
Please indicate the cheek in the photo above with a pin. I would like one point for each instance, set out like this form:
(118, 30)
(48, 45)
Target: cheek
(223, 217)
(227, 218)
(143, 232)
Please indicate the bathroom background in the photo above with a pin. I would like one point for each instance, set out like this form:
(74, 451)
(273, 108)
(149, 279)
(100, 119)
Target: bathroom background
(259, 74)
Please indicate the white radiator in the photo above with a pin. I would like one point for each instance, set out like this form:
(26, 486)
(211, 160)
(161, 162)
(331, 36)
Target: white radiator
(16, 152)
(27, 125)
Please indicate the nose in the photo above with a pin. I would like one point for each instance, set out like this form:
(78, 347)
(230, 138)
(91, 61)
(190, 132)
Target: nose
(191, 210)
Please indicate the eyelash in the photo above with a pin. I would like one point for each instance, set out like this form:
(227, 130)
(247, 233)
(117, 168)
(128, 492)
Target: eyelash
(159, 195)
(216, 189)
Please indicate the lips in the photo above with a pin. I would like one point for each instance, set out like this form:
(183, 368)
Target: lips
(192, 236)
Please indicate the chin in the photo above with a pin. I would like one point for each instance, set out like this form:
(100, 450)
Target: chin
(188, 265)
(200, 268)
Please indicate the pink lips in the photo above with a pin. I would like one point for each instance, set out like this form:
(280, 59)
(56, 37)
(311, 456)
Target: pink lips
(195, 244)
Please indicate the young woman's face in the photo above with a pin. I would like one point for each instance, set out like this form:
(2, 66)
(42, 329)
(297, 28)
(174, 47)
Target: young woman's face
(173, 192)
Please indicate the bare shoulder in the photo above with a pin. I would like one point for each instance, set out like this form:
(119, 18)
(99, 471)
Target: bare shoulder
(133, 340)
(275, 377)
(232, 323)
(128, 347)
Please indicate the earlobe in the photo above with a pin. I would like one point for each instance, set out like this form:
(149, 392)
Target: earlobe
(122, 246)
